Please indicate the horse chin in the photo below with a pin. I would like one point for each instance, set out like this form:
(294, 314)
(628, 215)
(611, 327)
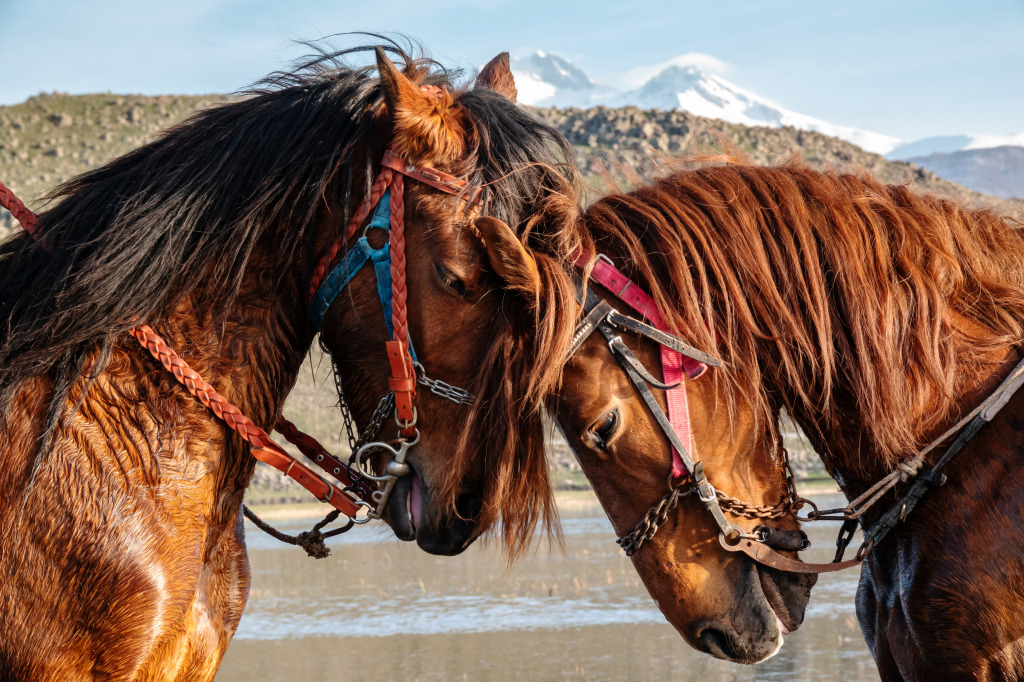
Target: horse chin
(728, 616)
(787, 594)
(448, 534)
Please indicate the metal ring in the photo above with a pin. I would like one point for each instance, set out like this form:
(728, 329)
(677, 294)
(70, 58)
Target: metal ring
(365, 519)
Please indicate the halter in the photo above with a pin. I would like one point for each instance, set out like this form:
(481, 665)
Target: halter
(688, 475)
(358, 490)
(687, 471)
(387, 203)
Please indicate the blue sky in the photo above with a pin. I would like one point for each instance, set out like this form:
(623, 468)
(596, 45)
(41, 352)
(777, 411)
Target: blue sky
(907, 68)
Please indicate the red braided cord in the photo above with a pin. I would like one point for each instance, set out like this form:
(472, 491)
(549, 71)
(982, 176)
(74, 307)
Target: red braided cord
(399, 294)
(322, 268)
(237, 421)
(226, 411)
(20, 211)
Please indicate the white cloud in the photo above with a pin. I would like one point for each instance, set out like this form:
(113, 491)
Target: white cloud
(636, 77)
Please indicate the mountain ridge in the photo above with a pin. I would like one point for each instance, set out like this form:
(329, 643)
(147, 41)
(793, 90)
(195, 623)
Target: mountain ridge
(688, 83)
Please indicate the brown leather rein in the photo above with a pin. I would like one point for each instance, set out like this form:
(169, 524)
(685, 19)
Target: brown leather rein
(358, 490)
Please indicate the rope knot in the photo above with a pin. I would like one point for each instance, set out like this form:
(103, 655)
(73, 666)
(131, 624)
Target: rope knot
(909, 469)
(313, 542)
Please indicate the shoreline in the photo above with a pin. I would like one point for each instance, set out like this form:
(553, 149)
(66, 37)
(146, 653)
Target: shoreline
(565, 500)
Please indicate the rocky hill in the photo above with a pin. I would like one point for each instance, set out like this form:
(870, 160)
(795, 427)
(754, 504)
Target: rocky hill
(52, 137)
(632, 139)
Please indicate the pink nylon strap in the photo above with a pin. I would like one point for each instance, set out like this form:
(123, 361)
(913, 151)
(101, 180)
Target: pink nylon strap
(673, 364)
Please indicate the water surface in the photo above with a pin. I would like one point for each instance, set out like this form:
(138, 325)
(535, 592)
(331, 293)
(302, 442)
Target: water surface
(379, 609)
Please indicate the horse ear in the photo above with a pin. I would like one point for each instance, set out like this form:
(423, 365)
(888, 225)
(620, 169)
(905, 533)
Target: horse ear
(497, 76)
(428, 128)
(509, 258)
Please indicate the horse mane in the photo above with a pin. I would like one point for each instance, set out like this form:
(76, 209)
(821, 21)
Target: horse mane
(811, 284)
(134, 237)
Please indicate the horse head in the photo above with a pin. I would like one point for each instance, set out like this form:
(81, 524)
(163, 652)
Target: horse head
(477, 310)
(721, 603)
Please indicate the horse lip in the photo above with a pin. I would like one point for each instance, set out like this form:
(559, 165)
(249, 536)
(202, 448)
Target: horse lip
(783, 614)
(398, 510)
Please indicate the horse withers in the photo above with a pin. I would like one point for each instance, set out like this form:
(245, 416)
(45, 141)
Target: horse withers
(878, 319)
(121, 543)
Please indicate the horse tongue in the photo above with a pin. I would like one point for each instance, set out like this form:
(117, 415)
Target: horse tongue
(782, 626)
(415, 501)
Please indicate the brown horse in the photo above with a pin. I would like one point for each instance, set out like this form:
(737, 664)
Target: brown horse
(122, 553)
(877, 318)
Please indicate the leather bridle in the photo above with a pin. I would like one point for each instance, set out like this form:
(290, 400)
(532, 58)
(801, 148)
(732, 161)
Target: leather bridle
(687, 473)
(356, 489)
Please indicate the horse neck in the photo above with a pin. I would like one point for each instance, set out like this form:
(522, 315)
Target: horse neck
(845, 444)
(251, 354)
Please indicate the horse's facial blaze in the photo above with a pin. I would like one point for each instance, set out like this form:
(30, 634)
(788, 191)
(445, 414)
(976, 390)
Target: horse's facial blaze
(720, 602)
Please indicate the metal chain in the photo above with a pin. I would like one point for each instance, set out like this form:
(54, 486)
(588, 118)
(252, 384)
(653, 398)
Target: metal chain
(384, 408)
(787, 505)
(753, 511)
(459, 396)
(380, 413)
(652, 521)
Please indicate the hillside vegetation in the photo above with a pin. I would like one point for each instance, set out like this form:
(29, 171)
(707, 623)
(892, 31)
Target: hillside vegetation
(52, 137)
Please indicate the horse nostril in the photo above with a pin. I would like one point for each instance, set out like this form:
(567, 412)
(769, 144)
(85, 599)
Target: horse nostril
(717, 643)
(468, 506)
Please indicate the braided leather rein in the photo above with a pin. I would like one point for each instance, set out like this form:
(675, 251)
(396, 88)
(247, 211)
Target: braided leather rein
(358, 490)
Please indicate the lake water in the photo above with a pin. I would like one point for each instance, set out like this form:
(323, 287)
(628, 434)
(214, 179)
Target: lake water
(378, 609)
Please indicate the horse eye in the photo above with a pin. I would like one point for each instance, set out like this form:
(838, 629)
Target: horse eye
(451, 281)
(604, 429)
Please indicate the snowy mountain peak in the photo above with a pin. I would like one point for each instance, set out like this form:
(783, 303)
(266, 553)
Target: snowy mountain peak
(547, 79)
(558, 71)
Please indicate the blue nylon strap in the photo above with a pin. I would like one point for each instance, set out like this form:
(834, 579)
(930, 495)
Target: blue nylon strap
(354, 260)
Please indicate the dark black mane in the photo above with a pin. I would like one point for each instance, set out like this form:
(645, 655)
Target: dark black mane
(131, 238)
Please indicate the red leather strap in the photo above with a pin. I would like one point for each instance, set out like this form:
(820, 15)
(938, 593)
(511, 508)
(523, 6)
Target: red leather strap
(264, 448)
(433, 177)
(403, 376)
(318, 454)
(673, 364)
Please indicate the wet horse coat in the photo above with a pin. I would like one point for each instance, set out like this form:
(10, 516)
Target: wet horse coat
(121, 547)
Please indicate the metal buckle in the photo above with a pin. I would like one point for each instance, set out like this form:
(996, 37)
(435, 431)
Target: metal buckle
(406, 425)
(701, 487)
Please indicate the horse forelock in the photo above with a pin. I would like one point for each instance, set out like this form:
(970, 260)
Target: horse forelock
(814, 285)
